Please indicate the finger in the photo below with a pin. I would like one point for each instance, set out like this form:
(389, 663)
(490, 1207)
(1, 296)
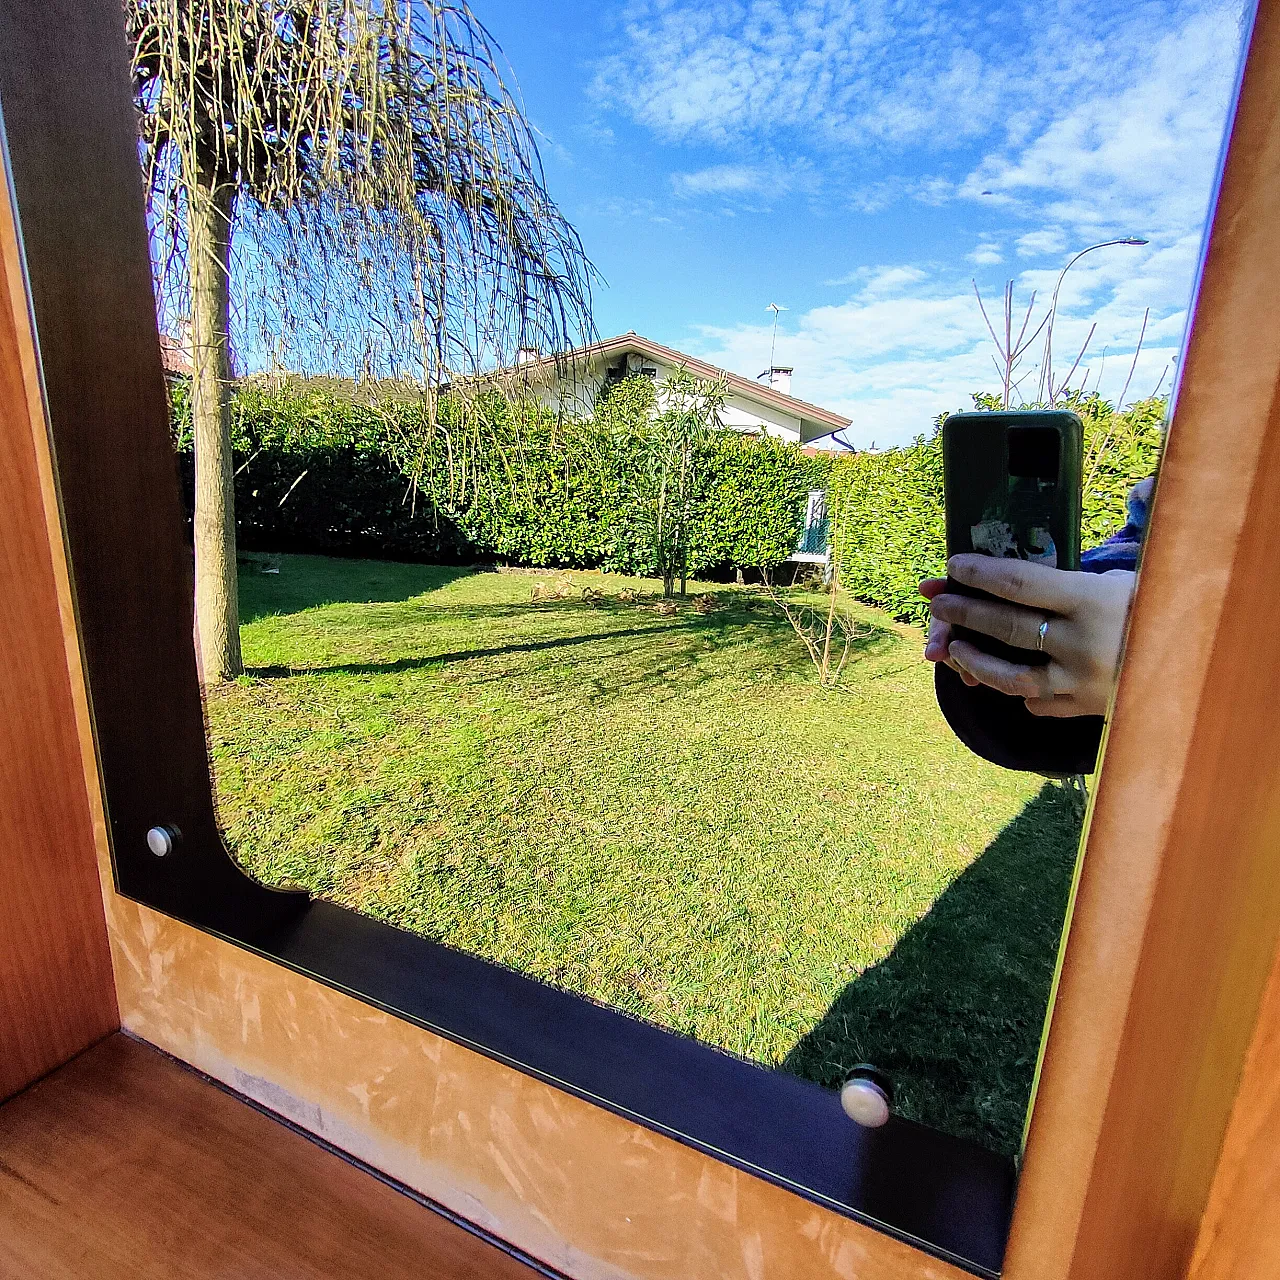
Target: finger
(1010, 623)
(931, 587)
(1057, 708)
(1013, 678)
(1022, 581)
(938, 642)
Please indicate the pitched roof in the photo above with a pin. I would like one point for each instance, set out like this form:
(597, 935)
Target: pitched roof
(736, 383)
(174, 355)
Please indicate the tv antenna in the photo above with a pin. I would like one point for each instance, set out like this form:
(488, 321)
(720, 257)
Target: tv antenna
(777, 310)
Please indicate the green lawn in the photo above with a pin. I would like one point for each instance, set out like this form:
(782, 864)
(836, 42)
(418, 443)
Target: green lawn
(664, 813)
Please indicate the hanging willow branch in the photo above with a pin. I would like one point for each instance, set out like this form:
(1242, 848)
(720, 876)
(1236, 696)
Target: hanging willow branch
(389, 212)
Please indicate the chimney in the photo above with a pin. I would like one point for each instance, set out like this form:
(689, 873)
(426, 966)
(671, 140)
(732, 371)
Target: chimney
(779, 376)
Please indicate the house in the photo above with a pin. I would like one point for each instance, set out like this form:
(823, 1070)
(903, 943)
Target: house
(572, 382)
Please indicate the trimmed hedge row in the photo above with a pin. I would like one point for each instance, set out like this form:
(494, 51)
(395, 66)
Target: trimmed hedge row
(887, 508)
(888, 524)
(319, 470)
(314, 474)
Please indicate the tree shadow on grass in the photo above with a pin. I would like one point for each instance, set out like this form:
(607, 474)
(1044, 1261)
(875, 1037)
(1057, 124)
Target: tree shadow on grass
(668, 653)
(443, 659)
(283, 584)
(954, 1013)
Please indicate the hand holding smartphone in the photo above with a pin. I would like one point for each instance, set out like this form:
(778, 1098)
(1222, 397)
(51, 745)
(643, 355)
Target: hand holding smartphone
(1012, 484)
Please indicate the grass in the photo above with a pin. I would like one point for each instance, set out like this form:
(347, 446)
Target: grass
(664, 813)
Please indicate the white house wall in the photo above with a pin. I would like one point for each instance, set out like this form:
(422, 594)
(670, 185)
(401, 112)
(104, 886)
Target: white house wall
(742, 415)
(575, 397)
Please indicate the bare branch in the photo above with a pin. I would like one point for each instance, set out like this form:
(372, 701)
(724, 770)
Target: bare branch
(1142, 333)
(1066, 382)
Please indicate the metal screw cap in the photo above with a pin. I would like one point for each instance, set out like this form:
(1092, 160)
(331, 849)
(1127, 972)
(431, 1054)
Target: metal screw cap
(163, 840)
(867, 1097)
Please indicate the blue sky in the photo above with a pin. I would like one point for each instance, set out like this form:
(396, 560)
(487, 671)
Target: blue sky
(860, 163)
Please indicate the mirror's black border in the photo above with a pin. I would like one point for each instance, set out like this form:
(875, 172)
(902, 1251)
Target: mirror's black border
(73, 169)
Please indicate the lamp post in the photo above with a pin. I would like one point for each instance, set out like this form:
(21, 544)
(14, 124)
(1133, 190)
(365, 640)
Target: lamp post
(1046, 370)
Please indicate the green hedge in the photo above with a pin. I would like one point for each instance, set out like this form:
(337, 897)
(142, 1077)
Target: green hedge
(315, 472)
(887, 508)
(321, 469)
(887, 524)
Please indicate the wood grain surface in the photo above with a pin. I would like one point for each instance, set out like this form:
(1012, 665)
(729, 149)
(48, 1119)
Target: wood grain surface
(1240, 1232)
(56, 990)
(125, 1164)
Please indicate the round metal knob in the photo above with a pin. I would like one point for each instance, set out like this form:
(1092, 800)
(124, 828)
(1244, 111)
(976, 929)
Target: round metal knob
(163, 840)
(867, 1097)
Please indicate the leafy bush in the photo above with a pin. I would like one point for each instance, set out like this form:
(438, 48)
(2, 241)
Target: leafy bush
(753, 501)
(1119, 450)
(316, 471)
(888, 516)
(888, 524)
(322, 468)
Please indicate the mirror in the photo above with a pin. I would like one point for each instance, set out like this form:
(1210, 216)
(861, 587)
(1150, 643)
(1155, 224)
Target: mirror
(577, 625)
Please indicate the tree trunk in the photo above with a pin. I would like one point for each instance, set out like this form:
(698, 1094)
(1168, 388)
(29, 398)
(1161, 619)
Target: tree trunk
(217, 597)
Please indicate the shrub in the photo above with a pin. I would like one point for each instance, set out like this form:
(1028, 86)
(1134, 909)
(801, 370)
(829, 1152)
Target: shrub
(315, 471)
(322, 467)
(888, 516)
(888, 524)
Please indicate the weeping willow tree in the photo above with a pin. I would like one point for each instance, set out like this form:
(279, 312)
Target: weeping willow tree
(346, 186)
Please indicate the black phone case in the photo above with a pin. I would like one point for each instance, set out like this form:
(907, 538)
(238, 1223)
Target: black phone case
(1010, 492)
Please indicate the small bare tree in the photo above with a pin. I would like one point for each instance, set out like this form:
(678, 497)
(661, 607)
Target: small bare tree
(1010, 350)
(827, 633)
(688, 411)
(346, 185)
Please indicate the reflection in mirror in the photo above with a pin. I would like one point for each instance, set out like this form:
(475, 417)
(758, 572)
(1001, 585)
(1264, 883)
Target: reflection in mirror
(598, 655)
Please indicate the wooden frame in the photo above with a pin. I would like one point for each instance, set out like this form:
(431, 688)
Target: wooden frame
(1161, 981)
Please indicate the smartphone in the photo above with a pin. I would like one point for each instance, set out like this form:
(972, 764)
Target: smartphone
(1012, 483)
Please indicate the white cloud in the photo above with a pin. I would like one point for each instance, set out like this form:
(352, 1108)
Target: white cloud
(986, 253)
(762, 181)
(622, 208)
(1038, 244)
(874, 197)
(722, 179)
(882, 281)
(1138, 159)
(876, 73)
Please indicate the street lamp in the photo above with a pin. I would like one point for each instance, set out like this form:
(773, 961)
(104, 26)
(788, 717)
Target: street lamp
(1046, 370)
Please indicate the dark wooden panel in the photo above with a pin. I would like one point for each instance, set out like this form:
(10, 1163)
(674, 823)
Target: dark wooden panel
(72, 144)
(56, 990)
(125, 1164)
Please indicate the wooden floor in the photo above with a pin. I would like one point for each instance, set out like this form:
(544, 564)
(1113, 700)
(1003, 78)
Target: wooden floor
(123, 1163)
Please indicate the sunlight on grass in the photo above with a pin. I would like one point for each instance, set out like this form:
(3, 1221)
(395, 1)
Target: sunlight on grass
(662, 813)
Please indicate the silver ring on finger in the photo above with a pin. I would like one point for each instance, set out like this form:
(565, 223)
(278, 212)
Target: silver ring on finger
(1041, 635)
